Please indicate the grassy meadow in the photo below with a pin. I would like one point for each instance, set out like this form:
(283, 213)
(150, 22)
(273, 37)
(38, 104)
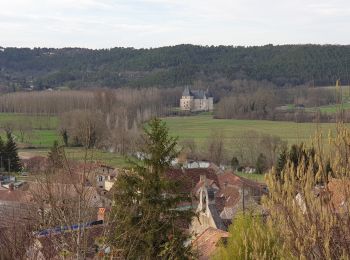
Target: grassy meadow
(200, 128)
(43, 133)
(79, 154)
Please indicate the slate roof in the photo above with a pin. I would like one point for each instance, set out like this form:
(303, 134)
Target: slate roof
(197, 94)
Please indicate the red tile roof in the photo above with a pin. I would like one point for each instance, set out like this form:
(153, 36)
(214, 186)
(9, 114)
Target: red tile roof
(207, 242)
(190, 177)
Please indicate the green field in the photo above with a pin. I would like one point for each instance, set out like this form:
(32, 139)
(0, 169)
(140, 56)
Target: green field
(42, 135)
(200, 128)
(252, 176)
(80, 154)
(40, 130)
(330, 108)
(36, 122)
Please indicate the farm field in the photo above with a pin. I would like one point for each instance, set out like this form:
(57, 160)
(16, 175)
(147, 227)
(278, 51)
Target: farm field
(79, 154)
(330, 108)
(36, 122)
(199, 128)
(39, 131)
(42, 135)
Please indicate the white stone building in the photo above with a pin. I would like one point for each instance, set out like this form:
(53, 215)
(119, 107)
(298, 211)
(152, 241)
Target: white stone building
(196, 100)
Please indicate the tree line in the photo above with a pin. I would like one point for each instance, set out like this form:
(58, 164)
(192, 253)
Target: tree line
(283, 65)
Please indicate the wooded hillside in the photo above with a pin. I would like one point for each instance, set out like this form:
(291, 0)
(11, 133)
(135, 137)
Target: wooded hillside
(172, 66)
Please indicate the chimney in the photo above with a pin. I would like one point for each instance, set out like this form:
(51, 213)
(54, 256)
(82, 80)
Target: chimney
(11, 186)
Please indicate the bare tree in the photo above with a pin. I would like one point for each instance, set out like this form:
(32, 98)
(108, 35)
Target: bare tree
(216, 147)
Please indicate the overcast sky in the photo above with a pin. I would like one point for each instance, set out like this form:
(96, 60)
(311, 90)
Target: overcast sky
(153, 23)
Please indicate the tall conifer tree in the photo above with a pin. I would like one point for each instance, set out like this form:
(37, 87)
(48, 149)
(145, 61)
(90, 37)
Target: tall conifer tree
(2, 154)
(146, 213)
(12, 161)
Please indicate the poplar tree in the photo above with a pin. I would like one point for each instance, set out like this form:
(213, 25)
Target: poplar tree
(146, 215)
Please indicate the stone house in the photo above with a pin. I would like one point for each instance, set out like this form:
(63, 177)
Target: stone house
(196, 100)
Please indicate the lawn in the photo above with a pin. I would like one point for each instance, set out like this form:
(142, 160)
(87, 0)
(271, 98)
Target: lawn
(200, 128)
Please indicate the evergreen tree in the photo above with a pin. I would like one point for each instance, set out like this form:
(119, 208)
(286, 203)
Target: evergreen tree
(12, 161)
(234, 163)
(2, 154)
(281, 162)
(261, 164)
(64, 134)
(56, 156)
(145, 216)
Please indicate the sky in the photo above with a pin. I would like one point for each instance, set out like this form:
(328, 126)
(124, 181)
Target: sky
(155, 23)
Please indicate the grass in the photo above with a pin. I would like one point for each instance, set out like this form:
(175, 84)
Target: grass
(200, 128)
(78, 154)
(42, 131)
(37, 122)
(329, 108)
(43, 135)
(252, 176)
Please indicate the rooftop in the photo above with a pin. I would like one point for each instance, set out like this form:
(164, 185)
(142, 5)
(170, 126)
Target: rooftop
(207, 242)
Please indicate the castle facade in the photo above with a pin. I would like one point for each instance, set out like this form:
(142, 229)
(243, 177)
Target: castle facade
(196, 100)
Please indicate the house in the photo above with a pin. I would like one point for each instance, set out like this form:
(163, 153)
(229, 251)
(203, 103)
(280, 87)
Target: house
(229, 194)
(15, 207)
(196, 100)
(191, 164)
(208, 215)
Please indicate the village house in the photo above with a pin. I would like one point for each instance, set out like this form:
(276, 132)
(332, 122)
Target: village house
(196, 100)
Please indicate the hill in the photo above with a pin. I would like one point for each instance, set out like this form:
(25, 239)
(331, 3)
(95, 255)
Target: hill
(172, 66)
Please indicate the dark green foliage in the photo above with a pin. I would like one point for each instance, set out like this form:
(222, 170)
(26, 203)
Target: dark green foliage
(2, 154)
(299, 154)
(234, 163)
(56, 156)
(11, 160)
(64, 134)
(172, 66)
(281, 162)
(261, 164)
(145, 217)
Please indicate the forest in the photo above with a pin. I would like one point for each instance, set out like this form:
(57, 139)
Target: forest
(76, 68)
